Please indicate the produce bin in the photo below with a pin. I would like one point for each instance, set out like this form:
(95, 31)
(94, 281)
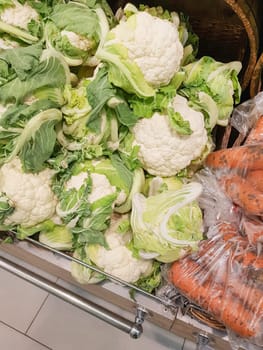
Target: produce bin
(165, 317)
(228, 30)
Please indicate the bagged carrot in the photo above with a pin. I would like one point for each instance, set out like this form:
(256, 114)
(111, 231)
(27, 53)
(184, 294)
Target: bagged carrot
(252, 227)
(225, 278)
(256, 133)
(214, 202)
(255, 178)
(242, 159)
(243, 193)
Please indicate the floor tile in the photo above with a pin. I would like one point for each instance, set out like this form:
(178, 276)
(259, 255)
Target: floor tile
(19, 301)
(62, 326)
(13, 340)
(188, 345)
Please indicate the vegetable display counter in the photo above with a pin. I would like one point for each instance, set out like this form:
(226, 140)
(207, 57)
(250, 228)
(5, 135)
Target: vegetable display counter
(109, 112)
(156, 310)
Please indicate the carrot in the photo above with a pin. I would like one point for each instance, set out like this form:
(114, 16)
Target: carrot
(248, 256)
(242, 193)
(251, 259)
(256, 133)
(255, 178)
(215, 264)
(216, 299)
(247, 157)
(249, 291)
(240, 320)
(253, 229)
(225, 278)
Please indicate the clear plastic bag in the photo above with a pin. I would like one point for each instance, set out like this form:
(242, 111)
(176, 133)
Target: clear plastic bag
(225, 278)
(216, 206)
(245, 116)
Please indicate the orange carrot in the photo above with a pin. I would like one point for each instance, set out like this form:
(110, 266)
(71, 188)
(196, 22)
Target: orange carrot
(242, 321)
(216, 299)
(242, 193)
(225, 278)
(250, 259)
(255, 178)
(256, 133)
(247, 157)
(253, 229)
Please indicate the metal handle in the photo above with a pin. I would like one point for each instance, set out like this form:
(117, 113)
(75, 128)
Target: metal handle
(203, 342)
(133, 328)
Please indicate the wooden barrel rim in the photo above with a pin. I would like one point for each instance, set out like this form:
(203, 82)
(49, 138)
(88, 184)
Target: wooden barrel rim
(206, 318)
(256, 80)
(243, 11)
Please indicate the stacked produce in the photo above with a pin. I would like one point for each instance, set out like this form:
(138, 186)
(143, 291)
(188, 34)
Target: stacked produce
(224, 276)
(105, 121)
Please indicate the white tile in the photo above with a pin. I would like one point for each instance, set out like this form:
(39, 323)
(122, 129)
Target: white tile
(19, 301)
(62, 326)
(188, 345)
(12, 340)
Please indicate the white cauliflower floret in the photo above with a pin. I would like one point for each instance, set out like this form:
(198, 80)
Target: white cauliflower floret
(101, 186)
(118, 260)
(153, 44)
(19, 15)
(77, 40)
(3, 109)
(163, 151)
(8, 44)
(76, 181)
(31, 194)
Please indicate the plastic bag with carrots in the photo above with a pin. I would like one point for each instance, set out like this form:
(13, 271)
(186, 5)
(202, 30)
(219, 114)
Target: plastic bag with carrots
(239, 170)
(225, 278)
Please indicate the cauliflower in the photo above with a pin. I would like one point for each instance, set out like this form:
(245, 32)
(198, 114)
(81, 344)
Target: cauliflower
(77, 40)
(3, 109)
(30, 193)
(19, 15)
(153, 44)
(163, 151)
(118, 259)
(6, 44)
(101, 186)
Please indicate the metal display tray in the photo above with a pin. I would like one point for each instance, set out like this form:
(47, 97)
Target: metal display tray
(159, 311)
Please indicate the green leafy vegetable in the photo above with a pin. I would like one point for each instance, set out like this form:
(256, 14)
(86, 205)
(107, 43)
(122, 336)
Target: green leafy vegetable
(168, 224)
(6, 207)
(102, 93)
(216, 79)
(36, 73)
(177, 122)
(29, 134)
(59, 237)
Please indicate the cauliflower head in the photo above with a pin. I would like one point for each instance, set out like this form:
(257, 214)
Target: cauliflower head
(164, 152)
(101, 186)
(118, 259)
(7, 43)
(79, 41)
(31, 194)
(19, 15)
(153, 44)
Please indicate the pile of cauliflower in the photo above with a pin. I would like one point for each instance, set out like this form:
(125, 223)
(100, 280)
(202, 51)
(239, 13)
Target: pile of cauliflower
(136, 111)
